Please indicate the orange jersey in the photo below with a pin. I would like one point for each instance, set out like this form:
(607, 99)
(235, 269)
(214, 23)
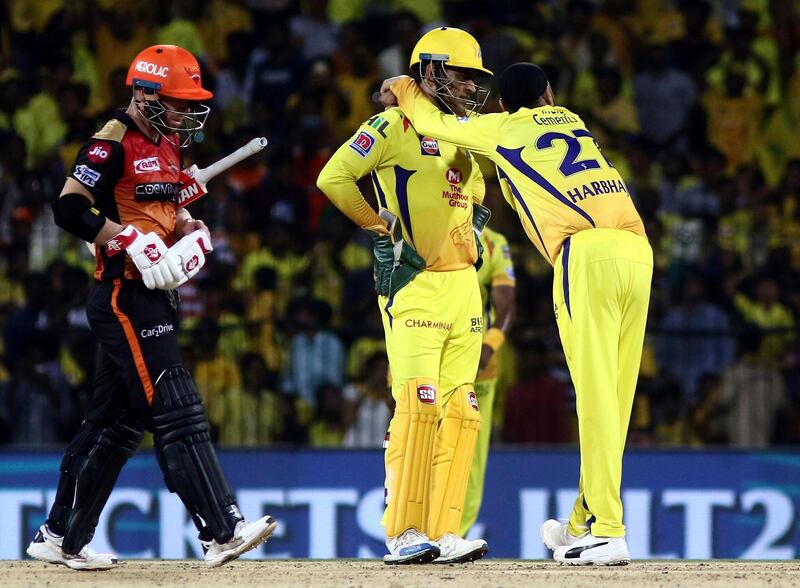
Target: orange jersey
(134, 181)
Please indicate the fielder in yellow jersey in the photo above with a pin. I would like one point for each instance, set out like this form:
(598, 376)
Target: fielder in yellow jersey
(498, 285)
(431, 305)
(576, 210)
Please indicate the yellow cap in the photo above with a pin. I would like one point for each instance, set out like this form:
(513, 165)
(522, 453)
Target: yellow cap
(453, 46)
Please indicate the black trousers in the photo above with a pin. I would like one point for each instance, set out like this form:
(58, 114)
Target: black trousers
(136, 329)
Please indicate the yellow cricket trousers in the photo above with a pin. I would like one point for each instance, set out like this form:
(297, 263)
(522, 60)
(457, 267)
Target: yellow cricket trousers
(601, 293)
(434, 333)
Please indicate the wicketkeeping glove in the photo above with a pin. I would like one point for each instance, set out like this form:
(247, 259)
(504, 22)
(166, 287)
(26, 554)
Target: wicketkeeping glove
(396, 262)
(480, 216)
(160, 270)
(191, 250)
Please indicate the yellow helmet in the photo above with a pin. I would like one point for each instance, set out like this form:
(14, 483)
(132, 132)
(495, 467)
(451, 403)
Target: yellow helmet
(454, 47)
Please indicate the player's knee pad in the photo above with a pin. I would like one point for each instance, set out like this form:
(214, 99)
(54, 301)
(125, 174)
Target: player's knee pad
(408, 455)
(452, 461)
(95, 460)
(186, 456)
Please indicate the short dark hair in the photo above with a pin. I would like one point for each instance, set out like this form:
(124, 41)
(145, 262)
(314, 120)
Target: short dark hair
(521, 85)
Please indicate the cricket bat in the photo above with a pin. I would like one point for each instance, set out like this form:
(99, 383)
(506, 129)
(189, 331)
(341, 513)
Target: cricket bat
(193, 180)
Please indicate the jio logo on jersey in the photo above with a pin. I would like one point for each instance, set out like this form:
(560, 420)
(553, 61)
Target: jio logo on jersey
(426, 394)
(99, 152)
(429, 146)
(454, 176)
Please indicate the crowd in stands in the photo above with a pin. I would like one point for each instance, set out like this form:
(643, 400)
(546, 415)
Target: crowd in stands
(696, 102)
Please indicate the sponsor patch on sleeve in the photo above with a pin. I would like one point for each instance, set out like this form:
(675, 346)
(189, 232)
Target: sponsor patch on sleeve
(99, 152)
(363, 143)
(510, 273)
(86, 175)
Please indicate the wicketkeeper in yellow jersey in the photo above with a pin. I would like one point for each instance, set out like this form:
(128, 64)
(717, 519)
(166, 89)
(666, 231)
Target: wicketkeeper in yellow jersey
(498, 286)
(577, 211)
(429, 193)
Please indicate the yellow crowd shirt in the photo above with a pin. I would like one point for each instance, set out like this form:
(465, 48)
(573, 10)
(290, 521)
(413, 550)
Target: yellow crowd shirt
(497, 270)
(551, 170)
(428, 184)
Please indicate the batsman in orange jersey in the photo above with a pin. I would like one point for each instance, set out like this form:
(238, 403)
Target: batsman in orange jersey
(121, 195)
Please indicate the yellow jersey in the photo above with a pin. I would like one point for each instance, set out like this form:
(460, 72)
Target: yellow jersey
(497, 270)
(551, 170)
(428, 184)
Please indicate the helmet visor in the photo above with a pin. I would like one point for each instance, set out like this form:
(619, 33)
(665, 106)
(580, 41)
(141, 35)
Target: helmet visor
(177, 120)
(450, 90)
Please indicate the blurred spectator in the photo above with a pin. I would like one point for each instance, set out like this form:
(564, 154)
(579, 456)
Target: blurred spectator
(766, 312)
(751, 396)
(694, 338)
(253, 414)
(22, 326)
(696, 193)
(665, 97)
(216, 375)
(670, 427)
(394, 59)
(613, 113)
(278, 252)
(314, 30)
(536, 407)
(279, 75)
(12, 158)
(734, 120)
(368, 405)
(753, 58)
(36, 400)
(316, 356)
(234, 84)
(120, 35)
(708, 427)
(261, 319)
(328, 425)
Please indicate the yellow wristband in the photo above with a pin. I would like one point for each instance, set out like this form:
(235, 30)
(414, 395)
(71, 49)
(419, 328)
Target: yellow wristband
(494, 338)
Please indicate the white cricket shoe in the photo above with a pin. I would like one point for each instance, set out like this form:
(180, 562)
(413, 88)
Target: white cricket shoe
(246, 536)
(47, 547)
(410, 547)
(555, 534)
(591, 550)
(457, 550)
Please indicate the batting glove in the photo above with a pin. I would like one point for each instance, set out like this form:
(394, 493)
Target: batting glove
(150, 255)
(191, 250)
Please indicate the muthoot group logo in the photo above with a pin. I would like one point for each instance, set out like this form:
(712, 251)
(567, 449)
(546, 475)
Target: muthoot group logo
(157, 331)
